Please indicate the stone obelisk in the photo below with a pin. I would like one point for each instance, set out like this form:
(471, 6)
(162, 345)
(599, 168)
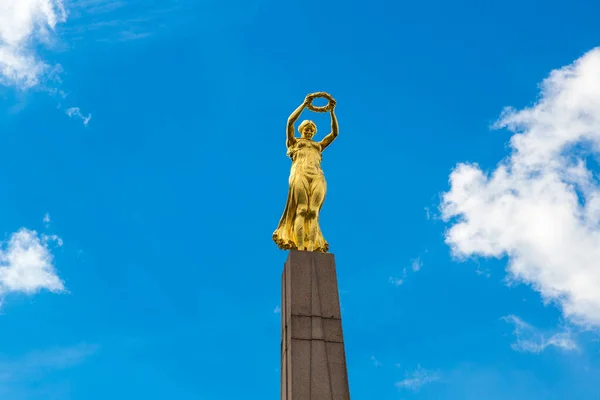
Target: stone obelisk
(313, 361)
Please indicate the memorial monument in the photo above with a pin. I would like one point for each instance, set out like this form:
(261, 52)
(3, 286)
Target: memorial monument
(313, 360)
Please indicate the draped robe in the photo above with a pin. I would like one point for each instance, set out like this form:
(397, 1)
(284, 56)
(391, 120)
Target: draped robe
(306, 182)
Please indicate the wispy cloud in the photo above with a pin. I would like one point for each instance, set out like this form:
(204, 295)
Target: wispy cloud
(110, 30)
(427, 213)
(46, 220)
(95, 7)
(125, 36)
(277, 310)
(417, 264)
(376, 362)
(118, 21)
(398, 281)
(415, 380)
(17, 374)
(38, 362)
(75, 112)
(541, 206)
(531, 340)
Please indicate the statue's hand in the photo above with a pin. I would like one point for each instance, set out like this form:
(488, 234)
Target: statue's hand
(309, 98)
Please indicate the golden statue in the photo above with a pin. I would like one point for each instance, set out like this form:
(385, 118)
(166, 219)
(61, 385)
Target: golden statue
(299, 225)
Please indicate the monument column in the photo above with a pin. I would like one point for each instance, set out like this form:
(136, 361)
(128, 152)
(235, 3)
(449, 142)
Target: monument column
(313, 361)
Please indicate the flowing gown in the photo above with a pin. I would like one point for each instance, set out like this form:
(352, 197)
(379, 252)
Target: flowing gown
(308, 186)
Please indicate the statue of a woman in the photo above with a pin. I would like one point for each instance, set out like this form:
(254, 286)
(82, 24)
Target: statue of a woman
(299, 225)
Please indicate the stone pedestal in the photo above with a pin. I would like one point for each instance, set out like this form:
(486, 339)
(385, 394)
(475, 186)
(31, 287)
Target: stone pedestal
(313, 361)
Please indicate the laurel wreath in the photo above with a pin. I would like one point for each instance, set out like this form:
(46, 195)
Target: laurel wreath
(320, 109)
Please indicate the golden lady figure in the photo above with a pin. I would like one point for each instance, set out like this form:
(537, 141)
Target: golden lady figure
(299, 225)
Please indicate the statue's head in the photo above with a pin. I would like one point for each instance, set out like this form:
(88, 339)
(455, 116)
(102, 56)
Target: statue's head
(307, 129)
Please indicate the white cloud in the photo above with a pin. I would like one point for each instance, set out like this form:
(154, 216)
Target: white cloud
(46, 220)
(531, 340)
(415, 380)
(398, 281)
(76, 112)
(541, 206)
(24, 24)
(26, 264)
(277, 310)
(417, 264)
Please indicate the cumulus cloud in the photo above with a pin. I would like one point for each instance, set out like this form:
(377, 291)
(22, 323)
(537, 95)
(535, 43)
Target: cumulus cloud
(24, 25)
(532, 340)
(415, 380)
(540, 207)
(26, 264)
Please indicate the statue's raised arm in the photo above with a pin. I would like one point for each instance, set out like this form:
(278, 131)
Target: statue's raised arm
(334, 127)
(291, 138)
(299, 225)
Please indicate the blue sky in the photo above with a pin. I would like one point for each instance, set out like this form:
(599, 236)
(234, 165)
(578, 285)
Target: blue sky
(143, 144)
